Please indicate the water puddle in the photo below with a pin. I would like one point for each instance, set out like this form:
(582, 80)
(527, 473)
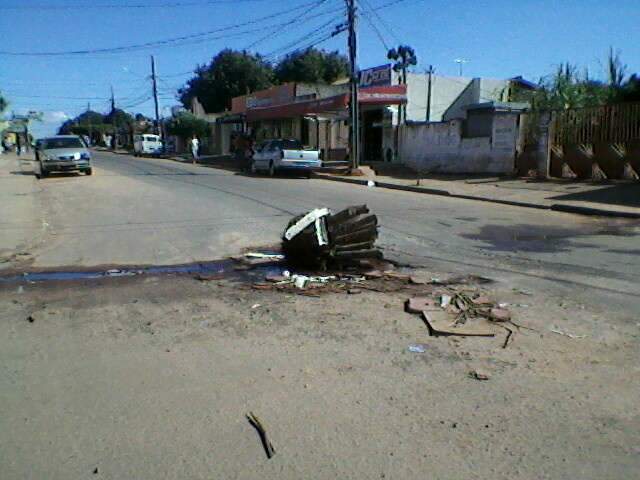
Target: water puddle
(222, 269)
(545, 238)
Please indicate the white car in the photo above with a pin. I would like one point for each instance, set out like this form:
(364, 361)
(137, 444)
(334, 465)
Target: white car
(147, 144)
(277, 155)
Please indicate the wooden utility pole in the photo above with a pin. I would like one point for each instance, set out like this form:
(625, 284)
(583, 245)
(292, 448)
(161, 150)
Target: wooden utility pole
(353, 104)
(155, 94)
(429, 80)
(114, 120)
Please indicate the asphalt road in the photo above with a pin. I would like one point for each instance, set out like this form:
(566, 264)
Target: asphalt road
(155, 212)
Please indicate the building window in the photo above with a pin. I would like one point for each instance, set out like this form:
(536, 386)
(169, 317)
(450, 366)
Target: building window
(478, 124)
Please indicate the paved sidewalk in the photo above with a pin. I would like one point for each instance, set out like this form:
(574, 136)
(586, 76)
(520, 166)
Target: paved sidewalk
(612, 199)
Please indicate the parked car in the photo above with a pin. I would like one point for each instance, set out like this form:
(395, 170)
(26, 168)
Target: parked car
(147, 144)
(63, 153)
(280, 154)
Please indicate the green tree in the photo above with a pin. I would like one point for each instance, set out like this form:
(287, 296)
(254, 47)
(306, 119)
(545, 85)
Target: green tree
(630, 90)
(312, 66)
(3, 103)
(404, 57)
(185, 125)
(230, 74)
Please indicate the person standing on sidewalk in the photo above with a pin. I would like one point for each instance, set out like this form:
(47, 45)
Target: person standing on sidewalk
(195, 147)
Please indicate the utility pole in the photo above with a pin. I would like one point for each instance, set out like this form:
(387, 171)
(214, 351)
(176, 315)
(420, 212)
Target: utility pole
(353, 104)
(114, 121)
(155, 93)
(429, 80)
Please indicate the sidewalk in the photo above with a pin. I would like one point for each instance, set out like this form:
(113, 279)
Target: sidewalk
(612, 199)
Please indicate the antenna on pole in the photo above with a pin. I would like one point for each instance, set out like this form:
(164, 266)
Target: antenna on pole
(461, 62)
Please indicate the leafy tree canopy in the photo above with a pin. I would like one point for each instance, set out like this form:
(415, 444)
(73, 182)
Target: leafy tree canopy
(312, 66)
(185, 125)
(230, 74)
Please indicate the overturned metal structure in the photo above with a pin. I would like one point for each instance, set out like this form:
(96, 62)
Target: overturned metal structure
(322, 239)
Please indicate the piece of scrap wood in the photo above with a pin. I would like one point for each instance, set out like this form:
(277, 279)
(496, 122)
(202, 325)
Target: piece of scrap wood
(266, 443)
(445, 327)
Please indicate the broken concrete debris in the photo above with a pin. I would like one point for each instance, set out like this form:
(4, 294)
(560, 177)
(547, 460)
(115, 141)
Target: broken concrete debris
(460, 312)
(321, 239)
(479, 375)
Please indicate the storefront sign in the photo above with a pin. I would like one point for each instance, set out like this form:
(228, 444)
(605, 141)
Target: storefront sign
(377, 76)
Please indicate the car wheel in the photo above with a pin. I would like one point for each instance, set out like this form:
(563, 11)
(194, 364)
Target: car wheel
(253, 169)
(43, 172)
(272, 169)
(89, 171)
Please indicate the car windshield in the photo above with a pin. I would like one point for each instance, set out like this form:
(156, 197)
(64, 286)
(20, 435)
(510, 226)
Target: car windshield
(51, 143)
(151, 138)
(288, 144)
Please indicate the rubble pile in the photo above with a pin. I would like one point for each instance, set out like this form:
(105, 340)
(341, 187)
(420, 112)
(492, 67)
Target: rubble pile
(321, 239)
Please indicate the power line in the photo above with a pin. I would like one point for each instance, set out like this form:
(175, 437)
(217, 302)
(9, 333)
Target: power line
(296, 21)
(375, 30)
(309, 38)
(168, 41)
(382, 21)
(123, 7)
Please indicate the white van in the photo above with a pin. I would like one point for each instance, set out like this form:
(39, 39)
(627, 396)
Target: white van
(147, 144)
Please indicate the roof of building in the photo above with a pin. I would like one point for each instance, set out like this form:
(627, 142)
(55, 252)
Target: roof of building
(499, 106)
(525, 83)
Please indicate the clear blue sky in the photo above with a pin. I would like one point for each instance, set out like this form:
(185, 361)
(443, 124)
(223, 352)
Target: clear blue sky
(501, 38)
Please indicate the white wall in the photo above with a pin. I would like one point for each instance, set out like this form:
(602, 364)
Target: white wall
(447, 91)
(441, 148)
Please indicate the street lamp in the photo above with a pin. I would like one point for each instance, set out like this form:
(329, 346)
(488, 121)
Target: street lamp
(461, 62)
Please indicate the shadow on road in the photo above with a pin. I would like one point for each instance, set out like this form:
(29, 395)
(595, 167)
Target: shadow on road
(623, 194)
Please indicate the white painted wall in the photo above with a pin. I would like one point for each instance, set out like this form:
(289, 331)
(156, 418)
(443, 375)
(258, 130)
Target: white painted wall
(447, 91)
(441, 148)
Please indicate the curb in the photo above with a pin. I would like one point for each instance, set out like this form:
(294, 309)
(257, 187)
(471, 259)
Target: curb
(431, 191)
(409, 188)
(599, 212)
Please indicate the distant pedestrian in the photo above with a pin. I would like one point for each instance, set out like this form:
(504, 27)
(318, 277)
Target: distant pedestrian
(195, 149)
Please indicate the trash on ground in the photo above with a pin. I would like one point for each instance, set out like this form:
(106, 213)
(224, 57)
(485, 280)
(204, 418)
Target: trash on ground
(445, 300)
(321, 238)
(270, 256)
(266, 443)
(257, 305)
(499, 315)
(570, 335)
(420, 304)
(442, 325)
(479, 375)
(31, 319)
(417, 348)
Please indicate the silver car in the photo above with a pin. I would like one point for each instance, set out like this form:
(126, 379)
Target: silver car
(63, 153)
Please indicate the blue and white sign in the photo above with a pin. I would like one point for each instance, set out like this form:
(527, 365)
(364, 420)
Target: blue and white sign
(376, 76)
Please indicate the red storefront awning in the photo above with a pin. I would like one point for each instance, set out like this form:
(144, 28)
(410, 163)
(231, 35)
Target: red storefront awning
(388, 95)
